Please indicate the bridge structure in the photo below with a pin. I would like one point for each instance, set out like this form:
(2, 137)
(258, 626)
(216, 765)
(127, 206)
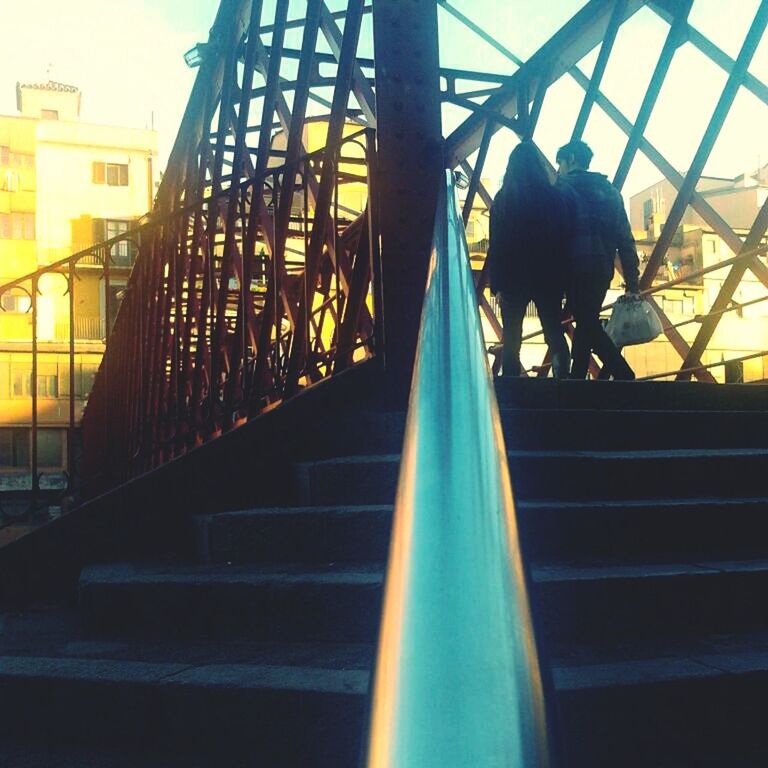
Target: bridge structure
(252, 409)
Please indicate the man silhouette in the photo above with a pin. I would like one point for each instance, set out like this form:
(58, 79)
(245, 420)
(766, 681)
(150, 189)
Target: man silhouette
(599, 228)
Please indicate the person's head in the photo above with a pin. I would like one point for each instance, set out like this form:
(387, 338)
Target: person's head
(575, 155)
(526, 167)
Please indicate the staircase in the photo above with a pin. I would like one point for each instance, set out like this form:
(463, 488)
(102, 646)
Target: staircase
(248, 640)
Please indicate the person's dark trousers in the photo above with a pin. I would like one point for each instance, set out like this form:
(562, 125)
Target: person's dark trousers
(549, 306)
(586, 295)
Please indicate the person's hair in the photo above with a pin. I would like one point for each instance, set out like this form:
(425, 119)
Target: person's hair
(526, 172)
(578, 150)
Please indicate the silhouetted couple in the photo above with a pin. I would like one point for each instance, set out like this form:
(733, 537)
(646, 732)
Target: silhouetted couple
(550, 241)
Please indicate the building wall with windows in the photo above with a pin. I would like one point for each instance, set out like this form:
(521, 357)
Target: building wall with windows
(742, 330)
(89, 174)
(64, 185)
(18, 196)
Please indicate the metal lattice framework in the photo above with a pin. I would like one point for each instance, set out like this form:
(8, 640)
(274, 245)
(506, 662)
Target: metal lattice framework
(255, 278)
(516, 104)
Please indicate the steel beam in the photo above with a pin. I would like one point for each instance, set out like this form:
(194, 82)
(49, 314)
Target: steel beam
(410, 162)
(725, 294)
(568, 46)
(617, 17)
(707, 143)
(675, 38)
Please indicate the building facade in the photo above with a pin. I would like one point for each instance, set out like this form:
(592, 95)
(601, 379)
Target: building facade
(743, 328)
(64, 185)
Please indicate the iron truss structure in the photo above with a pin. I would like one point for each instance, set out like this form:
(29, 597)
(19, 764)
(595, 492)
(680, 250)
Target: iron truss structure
(254, 278)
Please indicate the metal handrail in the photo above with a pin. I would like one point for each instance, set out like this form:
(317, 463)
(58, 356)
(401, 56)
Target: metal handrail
(457, 679)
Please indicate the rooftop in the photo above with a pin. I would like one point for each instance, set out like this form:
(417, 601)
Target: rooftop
(51, 85)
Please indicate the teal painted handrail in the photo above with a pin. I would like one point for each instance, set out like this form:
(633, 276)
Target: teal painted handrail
(457, 682)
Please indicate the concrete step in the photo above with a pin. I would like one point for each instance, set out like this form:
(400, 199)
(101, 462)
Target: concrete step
(296, 534)
(629, 395)
(596, 428)
(557, 475)
(654, 711)
(340, 603)
(328, 604)
(47, 753)
(700, 710)
(644, 531)
(241, 714)
(638, 429)
(651, 600)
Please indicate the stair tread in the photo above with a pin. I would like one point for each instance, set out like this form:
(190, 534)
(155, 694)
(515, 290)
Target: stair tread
(131, 672)
(604, 571)
(146, 573)
(320, 510)
(373, 573)
(533, 504)
(650, 453)
(40, 753)
(21, 636)
(693, 662)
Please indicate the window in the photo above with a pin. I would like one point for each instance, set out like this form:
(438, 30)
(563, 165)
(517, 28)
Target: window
(21, 160)
(17, 226)
(21, 381)
(120, 252)
(47, 384)
(647, 213)
(14, 448)
(49, 114)
(5, 381)
(10, 181)
(112, 174)
(4, 155)
(15, 300)
(50, 448)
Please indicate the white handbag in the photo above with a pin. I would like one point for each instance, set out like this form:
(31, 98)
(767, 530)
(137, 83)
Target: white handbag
(633, 321)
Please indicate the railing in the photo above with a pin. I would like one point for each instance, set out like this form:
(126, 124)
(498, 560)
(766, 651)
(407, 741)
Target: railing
(699, 368)
(457, 679)
(218, 320)
(235, 304)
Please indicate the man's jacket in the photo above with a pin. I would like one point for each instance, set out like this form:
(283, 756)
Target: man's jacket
(599, 228)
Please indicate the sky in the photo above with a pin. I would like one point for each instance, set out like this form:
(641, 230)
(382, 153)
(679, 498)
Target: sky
(127, 58)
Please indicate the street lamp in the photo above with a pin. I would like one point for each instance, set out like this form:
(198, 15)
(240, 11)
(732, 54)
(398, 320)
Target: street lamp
(194, 57)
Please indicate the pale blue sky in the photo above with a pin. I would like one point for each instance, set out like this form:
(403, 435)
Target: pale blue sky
(127, 59)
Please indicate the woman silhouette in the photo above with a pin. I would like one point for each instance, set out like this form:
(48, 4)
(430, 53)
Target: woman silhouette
(526, 256)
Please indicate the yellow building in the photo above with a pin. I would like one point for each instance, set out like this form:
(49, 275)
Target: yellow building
(743, 330)
(64, 185)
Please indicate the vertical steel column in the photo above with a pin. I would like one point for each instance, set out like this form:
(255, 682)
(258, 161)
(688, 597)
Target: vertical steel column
(71, 431)
(33, 391)
(410, 161)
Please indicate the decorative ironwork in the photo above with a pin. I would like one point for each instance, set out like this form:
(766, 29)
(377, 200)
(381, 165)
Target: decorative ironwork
(516, 102)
